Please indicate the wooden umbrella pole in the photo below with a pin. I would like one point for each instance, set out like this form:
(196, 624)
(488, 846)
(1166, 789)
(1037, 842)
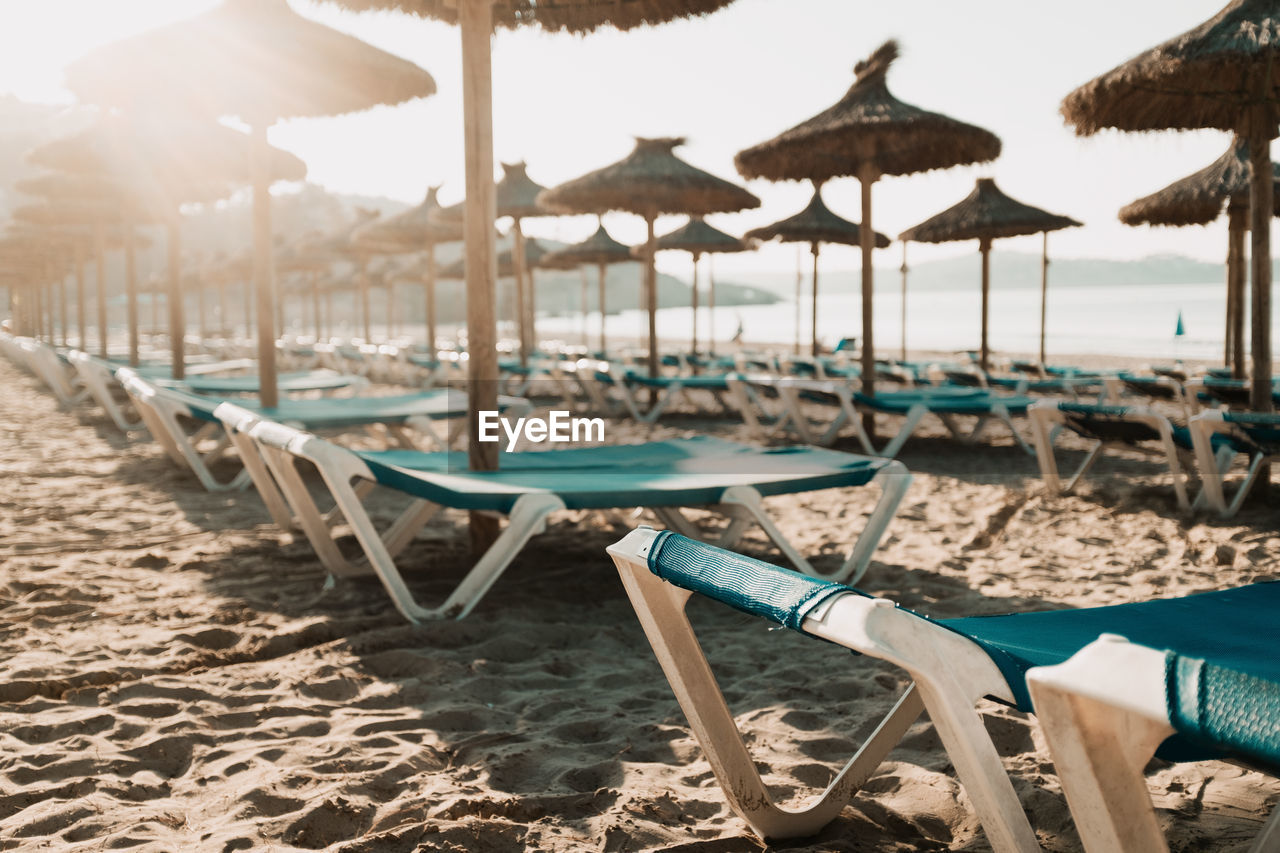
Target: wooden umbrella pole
(582, 305)
(1261, 194)
(711, 305)
(222, 309)
(263, 275)
(1228, 346)
(984, 248)
(202, 316)
(1044, 295)
(903, 270)
(694, 343)
(100, 257)
(63, 313)
(247, 293)
(651, 293)
(431, 299)
(522, 291)
(131, 289)
(82, 332)
(475, 19)
(362, 282)
(602, 273)
(328, 314)
(1238, 223)
(867, 176)
(391, 308)
(814, 248)
(799, 293)
(315, 302)
(177, 318)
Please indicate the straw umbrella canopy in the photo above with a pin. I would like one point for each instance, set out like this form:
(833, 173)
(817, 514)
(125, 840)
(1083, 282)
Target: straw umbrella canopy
(515, 195)
(868, 134)
(1199, 199)
(1223, 74)
(599, 249)
(650, 181)
(261, 62)
(815, 225)
(163, 162)
(414, 230)
(698, 238)
(984, 215)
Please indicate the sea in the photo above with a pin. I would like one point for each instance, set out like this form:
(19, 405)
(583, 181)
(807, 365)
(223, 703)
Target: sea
(1130, 320)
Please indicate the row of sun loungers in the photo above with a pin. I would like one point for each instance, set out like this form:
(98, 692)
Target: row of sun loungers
(1183, 678)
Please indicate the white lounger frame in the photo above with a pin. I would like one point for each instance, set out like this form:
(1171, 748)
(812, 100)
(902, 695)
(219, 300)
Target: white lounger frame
(951, 674)
(664, 397)
(98, 378)
(1104, 712)
(348, 480)
(790, 392)
(59, 378)
(1047, 420)
(1214, 465)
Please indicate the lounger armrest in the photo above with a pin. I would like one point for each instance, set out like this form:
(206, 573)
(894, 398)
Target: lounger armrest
(751, 586)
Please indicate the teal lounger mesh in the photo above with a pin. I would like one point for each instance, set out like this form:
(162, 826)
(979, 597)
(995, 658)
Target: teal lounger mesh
(1228, 699)
(705, 382)
(683, 472)
(976, 402)
(310, 380)
(1108, 423)
(335, 413)
(1256, 432)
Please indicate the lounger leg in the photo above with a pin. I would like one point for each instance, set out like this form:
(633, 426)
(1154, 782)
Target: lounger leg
(1255, 465)
(660, 607)
(1043, 439)
(1001, 411)
(317, 528)
(1095, 453)
(262, 479)
(1100, 750)
(914, 415)
(1268, 841)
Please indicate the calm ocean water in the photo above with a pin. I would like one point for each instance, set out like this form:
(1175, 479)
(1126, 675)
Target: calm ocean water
(1131, 320)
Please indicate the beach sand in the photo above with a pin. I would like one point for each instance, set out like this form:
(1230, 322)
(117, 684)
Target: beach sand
(176, 676)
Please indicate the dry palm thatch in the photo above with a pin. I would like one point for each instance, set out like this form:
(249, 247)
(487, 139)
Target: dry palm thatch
(165, 162)
(258, 60)
(601, 250)
(866, 134)
(1200, 198)
(410, 231)
(650, 181)
(1222, 74)
(697, 238)
(255, 59)
(984, 215)
(868, 127)
(574, 16)
(815, 225)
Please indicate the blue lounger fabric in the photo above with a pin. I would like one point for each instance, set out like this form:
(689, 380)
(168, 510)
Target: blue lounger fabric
(286, 383)
(701, 381)
(978, 402)
(1230, 704)
(682, 472)
(344, 412)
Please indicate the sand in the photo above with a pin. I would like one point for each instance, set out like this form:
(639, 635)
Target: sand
(176, 675)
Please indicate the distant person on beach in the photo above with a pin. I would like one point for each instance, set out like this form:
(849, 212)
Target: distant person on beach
(737, 336)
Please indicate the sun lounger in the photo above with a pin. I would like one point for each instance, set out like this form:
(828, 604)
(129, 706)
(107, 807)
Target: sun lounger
(50, 369)
(953, 662)
(1112, 705)
(1157, 388)
(402, 418)
(1130, 427)
(287, 383)
(1218, 438)
(728, 478)
(667, 390)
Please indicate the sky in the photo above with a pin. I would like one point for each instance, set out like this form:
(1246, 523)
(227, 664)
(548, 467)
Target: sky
(569, 104)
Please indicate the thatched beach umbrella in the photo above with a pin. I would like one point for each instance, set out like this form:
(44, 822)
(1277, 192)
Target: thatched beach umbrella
(868, 134)
(163, 163)
(650, 181)
(815, 225)
(601, 250)
(414, 230)
(698, 238)
(476, 20)
(261, 62)
(1199, 199)
(1223, 74)
(984, 215)
(516, 196)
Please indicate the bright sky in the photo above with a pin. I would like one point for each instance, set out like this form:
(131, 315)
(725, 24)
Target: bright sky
(571, 104)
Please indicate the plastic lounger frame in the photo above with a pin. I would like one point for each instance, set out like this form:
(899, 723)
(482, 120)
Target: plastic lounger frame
(1104, 712)
(951, 676)
(1215, 463)
(348, 479)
